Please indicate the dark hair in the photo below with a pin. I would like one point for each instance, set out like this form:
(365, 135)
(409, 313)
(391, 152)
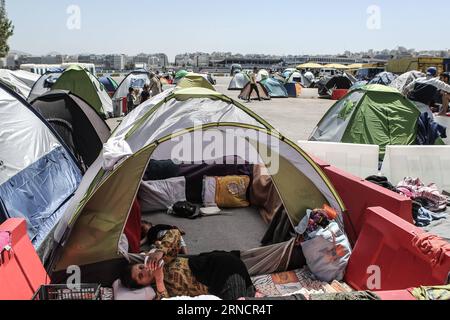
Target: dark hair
(130, 89)
(143, 223)
(127, 279)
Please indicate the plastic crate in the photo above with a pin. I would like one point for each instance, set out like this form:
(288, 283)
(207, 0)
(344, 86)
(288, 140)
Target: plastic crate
(62, 292)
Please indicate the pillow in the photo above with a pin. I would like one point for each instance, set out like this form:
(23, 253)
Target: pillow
(123, 293)
(226, 192)
(159, 195)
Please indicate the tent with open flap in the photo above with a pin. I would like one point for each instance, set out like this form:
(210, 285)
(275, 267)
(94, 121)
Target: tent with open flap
(90, 233)
(135, 79)
(77, 123)
(81, 82)
(44, 83)
(328, 84)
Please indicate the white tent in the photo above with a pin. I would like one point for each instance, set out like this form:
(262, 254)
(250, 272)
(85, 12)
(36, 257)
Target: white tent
(135, 79)
(239, 81)
(44, 84)
(262, 74)
(38, 174)
(20, 81)
(405, 79)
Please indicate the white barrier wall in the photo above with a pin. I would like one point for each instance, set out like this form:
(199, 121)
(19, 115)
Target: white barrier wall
(358, 159)
(429, 163)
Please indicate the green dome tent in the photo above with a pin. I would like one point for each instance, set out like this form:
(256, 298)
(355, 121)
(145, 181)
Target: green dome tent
(373, 114)
(192, 80)
(82, 83)
(180, 75)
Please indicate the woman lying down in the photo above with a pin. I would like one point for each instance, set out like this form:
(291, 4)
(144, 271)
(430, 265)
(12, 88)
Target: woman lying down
(218, 273)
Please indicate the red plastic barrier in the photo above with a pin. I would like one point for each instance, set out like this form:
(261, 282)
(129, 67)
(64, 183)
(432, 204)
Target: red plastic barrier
(396, 295)
(21, 270)
(385, 242)
(358, 195)
(338, 94)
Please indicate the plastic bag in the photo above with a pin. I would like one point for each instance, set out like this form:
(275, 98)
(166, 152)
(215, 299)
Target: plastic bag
(326, 250)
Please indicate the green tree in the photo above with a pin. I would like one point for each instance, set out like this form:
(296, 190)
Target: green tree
(6, 31)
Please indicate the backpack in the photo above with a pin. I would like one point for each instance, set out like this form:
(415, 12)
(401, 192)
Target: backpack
(184, 209)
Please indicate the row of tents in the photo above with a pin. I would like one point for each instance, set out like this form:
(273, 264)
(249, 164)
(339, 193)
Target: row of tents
(99, 93)
(46, 147)
(269, 87)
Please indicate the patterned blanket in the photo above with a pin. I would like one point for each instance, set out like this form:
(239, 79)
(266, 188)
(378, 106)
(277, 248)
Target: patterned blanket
(294, 282)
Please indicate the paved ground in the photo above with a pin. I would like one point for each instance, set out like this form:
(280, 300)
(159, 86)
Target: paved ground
(293, 117)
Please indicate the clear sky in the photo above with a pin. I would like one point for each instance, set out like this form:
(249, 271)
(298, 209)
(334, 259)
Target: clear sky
(251, 26)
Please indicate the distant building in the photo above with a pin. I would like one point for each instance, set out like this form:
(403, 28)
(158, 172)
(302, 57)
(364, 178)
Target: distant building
(115, 62)
(56, 59)
(31, 60)
(87, 58)
(12, 61)
(249, 63)
(201, 60)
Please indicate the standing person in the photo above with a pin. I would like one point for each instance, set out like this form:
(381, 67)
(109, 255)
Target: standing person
(131, 100)
(155, 85)
(253, 85)
(145, 94)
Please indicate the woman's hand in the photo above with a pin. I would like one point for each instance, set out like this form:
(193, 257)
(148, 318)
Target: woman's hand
(154, 260)
(159, 277)
(160, 287)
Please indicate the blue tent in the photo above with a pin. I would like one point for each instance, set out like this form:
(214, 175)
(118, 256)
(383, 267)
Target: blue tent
(275, 88)
(109, 83)
(38, 173)
(293, 89)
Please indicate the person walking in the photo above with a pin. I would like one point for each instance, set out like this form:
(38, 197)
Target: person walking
(253, 85)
